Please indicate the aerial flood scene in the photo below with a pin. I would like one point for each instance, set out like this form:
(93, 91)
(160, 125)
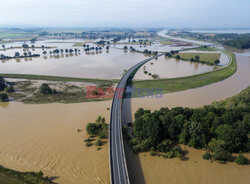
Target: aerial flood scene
(124, 92)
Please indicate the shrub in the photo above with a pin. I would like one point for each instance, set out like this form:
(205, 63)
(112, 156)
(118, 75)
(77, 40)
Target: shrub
(2, 84)
(217, 61)
(240, 159)
(9, 89)
(99, 142)
(152, 151)
(178, 57)
(93, 129)
(88, 144)
(207, 156)
(45, 89)
(3, 97)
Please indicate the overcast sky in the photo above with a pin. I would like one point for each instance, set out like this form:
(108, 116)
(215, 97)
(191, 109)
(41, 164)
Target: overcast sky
(126, 13)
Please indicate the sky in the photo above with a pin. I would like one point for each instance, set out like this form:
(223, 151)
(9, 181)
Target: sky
(126, 13)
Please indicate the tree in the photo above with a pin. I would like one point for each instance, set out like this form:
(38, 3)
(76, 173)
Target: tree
(240, 159)
(218, 149)
(98, 120)
(125, 47)
(178, 57)
(9, 89)
(44, 52)
(17, 54)
(207, 156)
(228, 134)
(3, 97)
(93, 129)
(2, 83)
(217, 61)
(99, 142)
(197, 58)
(45, 89)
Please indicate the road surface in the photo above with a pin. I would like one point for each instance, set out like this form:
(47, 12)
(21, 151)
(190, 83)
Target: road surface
(118, 166)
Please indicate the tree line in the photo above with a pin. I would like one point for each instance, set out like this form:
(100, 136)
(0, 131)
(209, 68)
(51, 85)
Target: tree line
(221, 129)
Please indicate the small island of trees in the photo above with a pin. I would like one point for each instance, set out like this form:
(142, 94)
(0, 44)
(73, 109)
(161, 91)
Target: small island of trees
(98, 129)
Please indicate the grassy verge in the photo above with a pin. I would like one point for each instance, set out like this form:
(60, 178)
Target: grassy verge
(165, 42)
(205, 49)
(80, 44)
(206, 57)
(132, 43)
(9, 176)
(184, 83)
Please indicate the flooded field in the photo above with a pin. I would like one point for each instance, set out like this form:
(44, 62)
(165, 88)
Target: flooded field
(171, 68)
(45, 137)
(194, 170)
(102, 64)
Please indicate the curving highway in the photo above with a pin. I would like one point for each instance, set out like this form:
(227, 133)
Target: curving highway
(118, 166)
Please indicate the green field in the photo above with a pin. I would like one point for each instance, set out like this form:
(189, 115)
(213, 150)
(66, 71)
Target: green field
(9, 176)
(207, 57)
(165, 42)
(184, 83)
(205, 49)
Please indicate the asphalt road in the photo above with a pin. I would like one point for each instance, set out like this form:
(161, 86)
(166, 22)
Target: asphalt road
(118, 165)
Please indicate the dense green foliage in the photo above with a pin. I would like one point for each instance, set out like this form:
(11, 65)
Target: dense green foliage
(23, 177)
(2, 83)
(9, 89)
(241, 41)
(3, 97)
(207, 156)
(240, 159)
(99, 128)
(45, 89)
(220, 128)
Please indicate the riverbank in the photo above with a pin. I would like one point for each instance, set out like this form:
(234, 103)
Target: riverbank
(9, 176)
(184, 83)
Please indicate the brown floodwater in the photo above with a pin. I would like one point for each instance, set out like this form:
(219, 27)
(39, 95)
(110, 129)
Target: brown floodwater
(171, 68)
(144, 168)
(45, 137)
(106, 65)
